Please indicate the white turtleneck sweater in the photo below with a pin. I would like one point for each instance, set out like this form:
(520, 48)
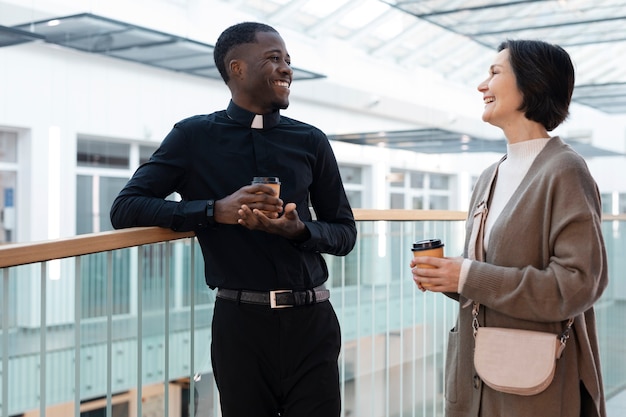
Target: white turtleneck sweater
(519, 158)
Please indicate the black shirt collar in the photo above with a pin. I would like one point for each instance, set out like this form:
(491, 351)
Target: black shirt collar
(245, 117)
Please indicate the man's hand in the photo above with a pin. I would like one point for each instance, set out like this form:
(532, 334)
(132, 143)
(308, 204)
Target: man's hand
(288, 225)
(256, 197)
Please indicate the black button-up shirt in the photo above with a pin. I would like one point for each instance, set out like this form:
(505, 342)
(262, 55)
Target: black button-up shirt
(212, 156)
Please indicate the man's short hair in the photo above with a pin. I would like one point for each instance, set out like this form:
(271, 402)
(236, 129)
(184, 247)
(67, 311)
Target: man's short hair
(236, 35)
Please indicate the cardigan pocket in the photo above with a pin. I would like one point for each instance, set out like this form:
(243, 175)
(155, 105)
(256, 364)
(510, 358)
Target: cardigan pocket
(452, 363)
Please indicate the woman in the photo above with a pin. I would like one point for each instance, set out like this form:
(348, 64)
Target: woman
(543, 251)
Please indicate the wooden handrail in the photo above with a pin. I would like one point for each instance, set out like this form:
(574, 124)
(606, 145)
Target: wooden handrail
(26, 253)
(31, 252)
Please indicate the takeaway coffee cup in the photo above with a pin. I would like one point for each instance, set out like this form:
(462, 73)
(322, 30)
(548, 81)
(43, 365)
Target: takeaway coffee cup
(273, 182)
(427, 247)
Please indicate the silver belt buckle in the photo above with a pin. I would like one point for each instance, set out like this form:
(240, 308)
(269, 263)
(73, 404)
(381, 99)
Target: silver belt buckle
(273, 298)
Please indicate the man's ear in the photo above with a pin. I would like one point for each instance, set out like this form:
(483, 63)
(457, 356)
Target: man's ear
(236, 68)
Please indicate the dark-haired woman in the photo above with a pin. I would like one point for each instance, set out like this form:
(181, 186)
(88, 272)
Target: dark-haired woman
(539, 257)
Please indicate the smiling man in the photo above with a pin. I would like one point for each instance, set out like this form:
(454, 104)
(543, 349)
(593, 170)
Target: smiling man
(275, 335)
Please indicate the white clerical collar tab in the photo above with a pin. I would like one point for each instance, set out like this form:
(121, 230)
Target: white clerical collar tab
(257, 122)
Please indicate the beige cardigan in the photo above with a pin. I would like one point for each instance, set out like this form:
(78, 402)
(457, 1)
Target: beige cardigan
(546, 262)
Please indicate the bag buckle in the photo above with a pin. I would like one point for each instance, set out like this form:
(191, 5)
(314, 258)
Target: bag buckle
(273, 299)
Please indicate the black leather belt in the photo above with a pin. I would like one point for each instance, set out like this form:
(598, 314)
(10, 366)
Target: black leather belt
(276, 298)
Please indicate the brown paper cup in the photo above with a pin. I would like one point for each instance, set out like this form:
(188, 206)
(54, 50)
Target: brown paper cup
(273, 182)
(436, 252)
(428, 247)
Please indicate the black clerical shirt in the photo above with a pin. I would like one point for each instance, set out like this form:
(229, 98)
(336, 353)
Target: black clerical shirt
(212, 156)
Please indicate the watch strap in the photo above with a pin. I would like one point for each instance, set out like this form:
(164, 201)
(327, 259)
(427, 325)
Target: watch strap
(210, 211)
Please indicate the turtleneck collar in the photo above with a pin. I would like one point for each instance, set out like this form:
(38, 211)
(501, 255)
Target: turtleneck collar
(255, 121)
(527, 149)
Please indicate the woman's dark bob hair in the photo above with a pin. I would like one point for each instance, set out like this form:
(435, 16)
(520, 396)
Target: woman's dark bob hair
(545, 77)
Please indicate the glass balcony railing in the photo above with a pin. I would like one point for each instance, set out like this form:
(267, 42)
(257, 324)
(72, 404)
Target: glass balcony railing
(118, 323)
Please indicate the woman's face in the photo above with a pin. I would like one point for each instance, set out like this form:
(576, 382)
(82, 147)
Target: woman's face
(500, 93)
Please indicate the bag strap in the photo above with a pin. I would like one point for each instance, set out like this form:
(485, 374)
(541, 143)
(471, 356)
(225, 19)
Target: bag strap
(475, 251)
(563, 337)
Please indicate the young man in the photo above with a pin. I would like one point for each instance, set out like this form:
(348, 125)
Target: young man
(267, 361)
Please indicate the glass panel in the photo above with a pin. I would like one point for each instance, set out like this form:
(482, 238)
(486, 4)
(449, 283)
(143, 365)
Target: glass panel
(607, 202)
(145, 152)
(351, 174)
(9, 312)
(84, 207)
(622, 203)
(94, 275)
(474, 179)
(201, 293)
(355, 198)
(8, 211)
(92, 212)
(109, 189)
(115, 39)
(153, 277)
(393, 349)
(417, 180)
(611, 311)
(396, 178)
(438, 202)
(8, 147)
(352, 177)
(396, 201)
(439, 182)
(418, 203)
(394, 337)
(92, 153)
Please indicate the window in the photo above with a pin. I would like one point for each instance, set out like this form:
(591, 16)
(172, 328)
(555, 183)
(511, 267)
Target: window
(93, 153)
(439, 182)
(417, 203)
(103, 168)
(342, 268)
(417, 179)
(607, 202)
(8, 186)
(419, 190)
(352, 177)
(396, 201)
(439, 202)
(92, 213)
(102, 171)
(613, 203)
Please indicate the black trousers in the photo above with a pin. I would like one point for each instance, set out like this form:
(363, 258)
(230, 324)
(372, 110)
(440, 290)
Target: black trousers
(281, 362)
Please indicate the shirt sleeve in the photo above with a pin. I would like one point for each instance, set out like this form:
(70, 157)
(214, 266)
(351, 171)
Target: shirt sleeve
(142, 202)
(334, 229)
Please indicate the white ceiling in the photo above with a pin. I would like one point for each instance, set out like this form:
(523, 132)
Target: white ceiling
(457, 38)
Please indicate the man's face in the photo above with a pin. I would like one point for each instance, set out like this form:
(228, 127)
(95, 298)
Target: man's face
(262, 81)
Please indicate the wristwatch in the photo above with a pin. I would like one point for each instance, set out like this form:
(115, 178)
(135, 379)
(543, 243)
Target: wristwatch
(210, 211)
